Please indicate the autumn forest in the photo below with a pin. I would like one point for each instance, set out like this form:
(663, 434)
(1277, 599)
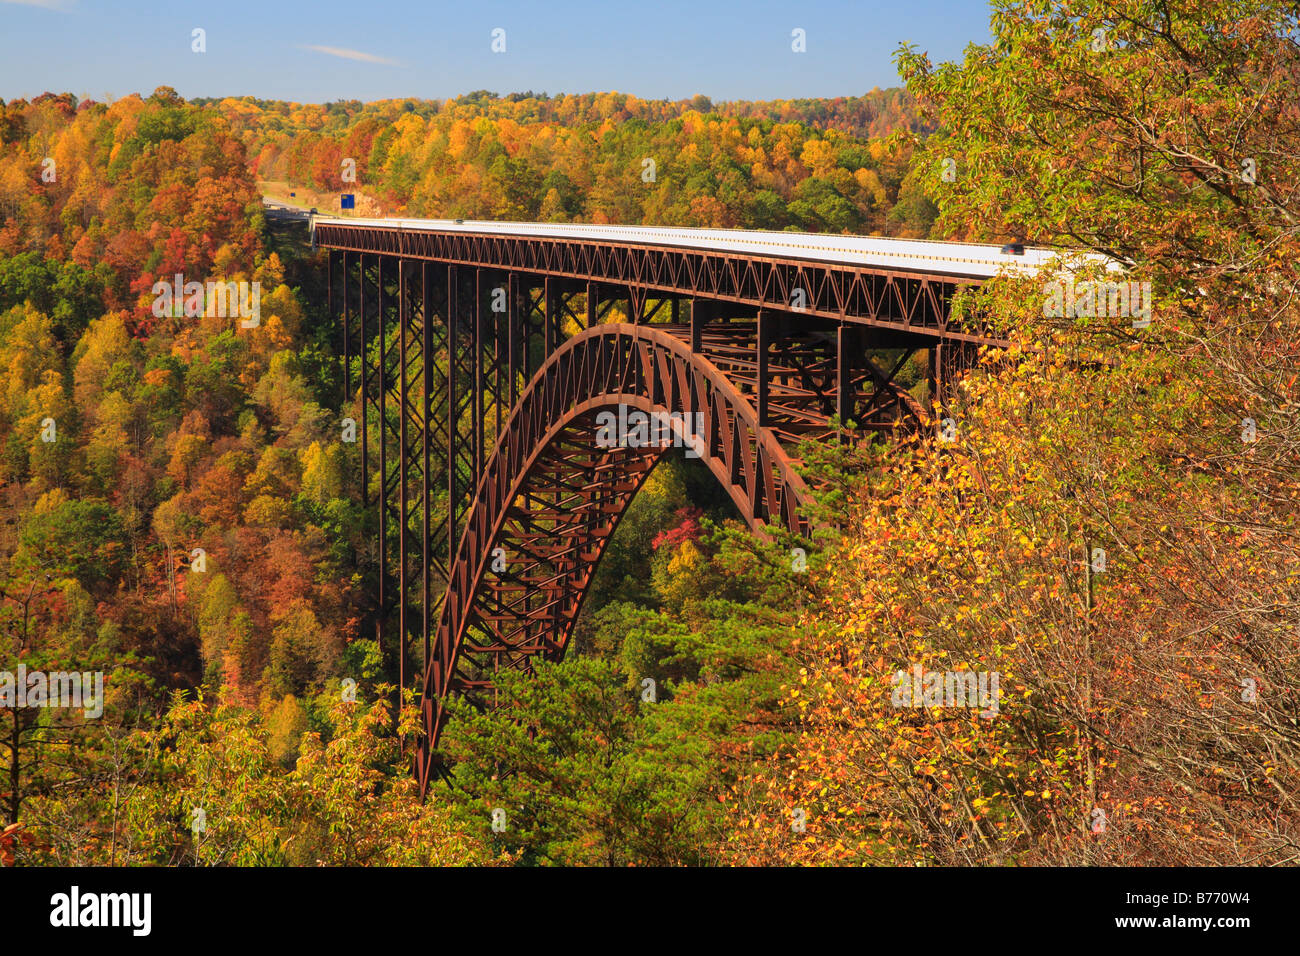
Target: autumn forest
(179, 513)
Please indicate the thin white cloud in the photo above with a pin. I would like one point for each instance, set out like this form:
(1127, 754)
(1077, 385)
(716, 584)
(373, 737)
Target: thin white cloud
(346, 54)
(61, 5)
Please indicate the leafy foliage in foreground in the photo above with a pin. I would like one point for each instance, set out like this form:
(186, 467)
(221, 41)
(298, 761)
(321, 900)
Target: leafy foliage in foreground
(346, 798)
(1149, 707)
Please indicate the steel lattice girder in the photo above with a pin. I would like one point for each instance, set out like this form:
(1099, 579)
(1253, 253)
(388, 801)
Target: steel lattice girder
(914, 301)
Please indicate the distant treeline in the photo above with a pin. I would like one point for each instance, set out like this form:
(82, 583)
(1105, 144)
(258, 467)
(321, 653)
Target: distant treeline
(818, 165)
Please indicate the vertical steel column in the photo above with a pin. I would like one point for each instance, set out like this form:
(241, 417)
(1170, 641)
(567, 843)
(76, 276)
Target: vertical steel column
(593, 304)
(634, 314)
(550, 317)
(501, 359)
(699, 316)
(365, 384)
(426, 417)
(347, 338)
(935, 362)
(453, 430)
(476, 351)
(512, 335)
(381, 393)
(532, 322)
(403, 319)
(499, 347)
(329, 298)
(844, 390)
(764, 342)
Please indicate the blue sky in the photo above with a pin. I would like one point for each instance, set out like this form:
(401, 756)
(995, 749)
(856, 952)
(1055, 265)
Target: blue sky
(370, 49)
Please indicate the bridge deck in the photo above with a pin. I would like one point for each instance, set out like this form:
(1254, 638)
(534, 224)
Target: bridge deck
(964, 259)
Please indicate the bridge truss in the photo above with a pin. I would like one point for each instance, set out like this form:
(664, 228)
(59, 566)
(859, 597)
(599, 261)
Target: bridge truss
(476, 369)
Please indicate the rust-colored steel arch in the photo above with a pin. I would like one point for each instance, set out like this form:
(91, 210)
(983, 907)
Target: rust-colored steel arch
(550, 496)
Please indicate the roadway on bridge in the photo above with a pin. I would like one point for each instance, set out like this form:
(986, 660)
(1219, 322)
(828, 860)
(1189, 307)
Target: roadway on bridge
(965, 259)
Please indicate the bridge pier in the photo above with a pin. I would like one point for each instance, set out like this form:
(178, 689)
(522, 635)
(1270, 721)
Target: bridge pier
(947, 362)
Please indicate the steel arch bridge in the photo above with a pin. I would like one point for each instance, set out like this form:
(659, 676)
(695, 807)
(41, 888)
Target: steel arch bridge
(481, 362)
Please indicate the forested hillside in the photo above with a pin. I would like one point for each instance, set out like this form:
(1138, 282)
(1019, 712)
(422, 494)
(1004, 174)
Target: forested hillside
(812, 165)
(182, 521)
